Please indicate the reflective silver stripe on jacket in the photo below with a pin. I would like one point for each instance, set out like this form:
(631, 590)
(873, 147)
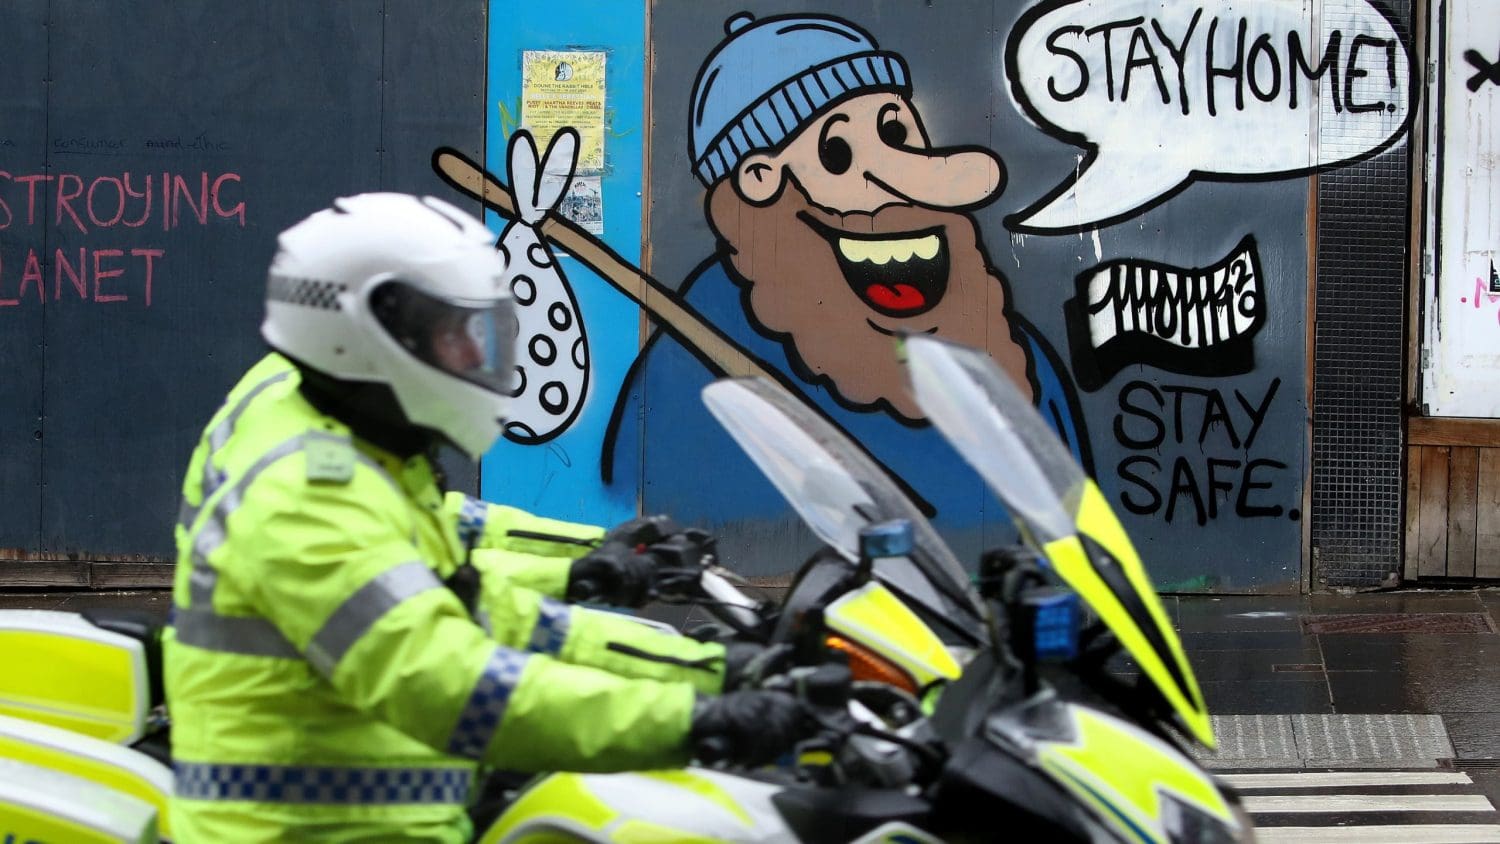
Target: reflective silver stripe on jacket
(485, 709)
(245, 635)
(360, 611)
(212, 534)
(551, 630)
(321, 784)
(216, 440)
(202, 626)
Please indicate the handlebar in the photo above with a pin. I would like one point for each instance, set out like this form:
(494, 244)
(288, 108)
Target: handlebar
(585, 589)
(712, 750)
(688, 573)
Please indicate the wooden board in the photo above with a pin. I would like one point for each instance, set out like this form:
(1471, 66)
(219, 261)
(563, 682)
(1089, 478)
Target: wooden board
(1463, 491)
(1413, 511)
(1453, 431)
(1432, 534)
(1487, 515)
(84, 574)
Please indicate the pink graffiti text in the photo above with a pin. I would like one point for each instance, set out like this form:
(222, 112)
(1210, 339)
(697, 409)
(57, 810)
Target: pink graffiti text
(86, 203)
(1482, 297)
(89, 275)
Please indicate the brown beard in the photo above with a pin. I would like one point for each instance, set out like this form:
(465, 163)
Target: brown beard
(798, 291)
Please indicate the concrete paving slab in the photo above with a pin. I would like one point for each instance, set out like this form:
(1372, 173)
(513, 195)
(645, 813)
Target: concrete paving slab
(1376, 740)
(1317, 740)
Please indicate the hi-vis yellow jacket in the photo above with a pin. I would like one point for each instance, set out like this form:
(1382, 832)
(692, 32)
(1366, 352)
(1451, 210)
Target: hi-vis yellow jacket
(322, 681)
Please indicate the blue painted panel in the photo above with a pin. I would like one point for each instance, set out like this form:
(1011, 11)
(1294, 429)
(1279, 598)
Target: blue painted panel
(560, 478)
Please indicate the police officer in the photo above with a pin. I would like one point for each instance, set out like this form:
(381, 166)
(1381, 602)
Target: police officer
(323, 680)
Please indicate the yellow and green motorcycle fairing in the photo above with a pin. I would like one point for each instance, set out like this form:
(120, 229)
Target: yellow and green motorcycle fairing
(64, 671)
(1101, 564)
(1133, 782)
(687, 806)
(115, 767)
(875, 618)
(1059, 510)
(43, 805)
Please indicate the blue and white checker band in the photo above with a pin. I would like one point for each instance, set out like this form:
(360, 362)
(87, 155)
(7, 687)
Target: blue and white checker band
(309, 784)
(486, 707)
(551, 630)
(471, 518)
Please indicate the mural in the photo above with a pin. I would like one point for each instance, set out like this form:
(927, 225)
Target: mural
(828, 179)
(838, 222)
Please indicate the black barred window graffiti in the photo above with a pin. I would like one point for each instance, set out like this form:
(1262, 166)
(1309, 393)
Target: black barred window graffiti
(1190, 321)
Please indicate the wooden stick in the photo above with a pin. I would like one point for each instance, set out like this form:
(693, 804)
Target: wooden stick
(690, 329)
(659, 302)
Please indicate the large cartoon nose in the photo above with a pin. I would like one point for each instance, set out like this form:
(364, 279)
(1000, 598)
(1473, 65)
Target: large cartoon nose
(950, 177)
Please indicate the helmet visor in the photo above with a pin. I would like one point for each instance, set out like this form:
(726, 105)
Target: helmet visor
(472, 340)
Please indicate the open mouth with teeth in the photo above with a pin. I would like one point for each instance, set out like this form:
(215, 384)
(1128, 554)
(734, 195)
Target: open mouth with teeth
(898, 275)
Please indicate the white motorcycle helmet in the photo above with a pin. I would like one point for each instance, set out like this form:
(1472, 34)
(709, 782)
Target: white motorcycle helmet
(408, 292)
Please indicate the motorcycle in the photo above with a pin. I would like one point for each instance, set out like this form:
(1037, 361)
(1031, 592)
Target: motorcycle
(936, 718)
(939, 715)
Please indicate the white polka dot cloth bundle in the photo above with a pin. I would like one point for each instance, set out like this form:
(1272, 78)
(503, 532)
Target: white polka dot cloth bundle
(552, 353)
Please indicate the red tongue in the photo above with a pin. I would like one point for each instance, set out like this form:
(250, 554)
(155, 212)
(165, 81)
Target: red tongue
(903, 297)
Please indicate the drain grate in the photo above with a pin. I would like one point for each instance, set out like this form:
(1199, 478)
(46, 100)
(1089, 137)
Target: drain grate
(1432, 622)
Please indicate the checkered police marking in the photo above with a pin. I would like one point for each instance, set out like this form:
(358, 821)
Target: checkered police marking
(471, 519)
(299, 784)
(307, 292)
(551, 629)
(486, 707)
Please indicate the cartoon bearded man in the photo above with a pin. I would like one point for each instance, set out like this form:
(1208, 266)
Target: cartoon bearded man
(839, 224)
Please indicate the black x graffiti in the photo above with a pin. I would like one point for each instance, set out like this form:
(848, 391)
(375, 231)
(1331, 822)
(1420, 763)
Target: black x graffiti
(1488, 71)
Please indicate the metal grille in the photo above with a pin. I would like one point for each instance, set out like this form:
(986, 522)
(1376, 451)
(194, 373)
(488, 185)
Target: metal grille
(1359, 350)
(1433, 622)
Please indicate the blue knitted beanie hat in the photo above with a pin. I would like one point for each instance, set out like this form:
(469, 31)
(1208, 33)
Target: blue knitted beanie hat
(768, 78)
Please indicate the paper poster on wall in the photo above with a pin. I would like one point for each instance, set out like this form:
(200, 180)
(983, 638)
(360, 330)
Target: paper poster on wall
(565, 88)
(584, 204)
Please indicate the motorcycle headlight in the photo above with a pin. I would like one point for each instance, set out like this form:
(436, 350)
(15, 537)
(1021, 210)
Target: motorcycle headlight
(1188, 824)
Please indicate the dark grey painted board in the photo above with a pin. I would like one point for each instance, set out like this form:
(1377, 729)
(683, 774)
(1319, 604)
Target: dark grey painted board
(434, 96)
(23, 92)
(278, 107)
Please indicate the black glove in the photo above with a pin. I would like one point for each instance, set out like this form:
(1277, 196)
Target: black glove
(751, 728)
(614, 574)
(642, 531)
(747, 663)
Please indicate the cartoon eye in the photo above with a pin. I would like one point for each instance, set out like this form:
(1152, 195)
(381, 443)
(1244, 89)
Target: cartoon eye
(892, 131)
(834, 153)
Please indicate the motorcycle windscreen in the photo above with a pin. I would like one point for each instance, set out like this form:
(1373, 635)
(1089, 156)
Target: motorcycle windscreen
(1059, 510)
(838, 490)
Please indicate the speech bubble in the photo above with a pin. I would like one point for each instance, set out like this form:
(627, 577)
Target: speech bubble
(1165, 92)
